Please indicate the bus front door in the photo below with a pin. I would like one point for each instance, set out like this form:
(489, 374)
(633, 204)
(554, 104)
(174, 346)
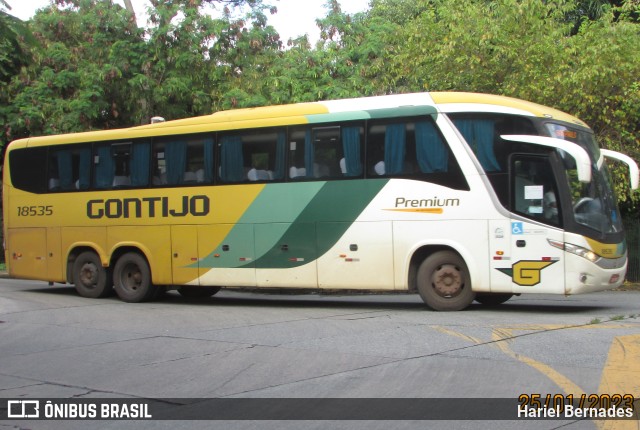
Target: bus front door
(536, 266)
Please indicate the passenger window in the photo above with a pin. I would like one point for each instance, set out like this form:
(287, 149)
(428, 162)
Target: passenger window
(121, 165)
(412, 148)
(69, 168)
(332, 152)
(253, 156)
(183, 161)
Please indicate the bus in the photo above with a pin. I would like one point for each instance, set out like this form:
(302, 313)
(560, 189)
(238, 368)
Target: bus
(454, 196)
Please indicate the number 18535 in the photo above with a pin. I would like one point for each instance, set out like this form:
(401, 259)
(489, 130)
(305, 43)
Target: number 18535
(35, 210)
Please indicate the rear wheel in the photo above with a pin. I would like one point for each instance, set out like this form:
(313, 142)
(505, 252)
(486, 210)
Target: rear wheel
(192, 292)
(493, 299)
(444, 282)
(90, 278)
(132, 278)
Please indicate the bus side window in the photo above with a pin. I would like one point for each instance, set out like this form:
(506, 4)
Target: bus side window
(388, 150)
(183, 160)
(29, 169)
(121, 165)
(328, 152)
(104, 167)
(254, 156)
(323, 160)
(69, 168)
(414, 148)
(299, 139)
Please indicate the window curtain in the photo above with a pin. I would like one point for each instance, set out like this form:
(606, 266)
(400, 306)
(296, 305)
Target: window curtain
(105, 168)
(280, 155)
(176, 158)
(479, 134)
(394, 148)
(231, 159)
(352, 153)
(84, 170)
(140, 163)
(208, 159)
(430, 149)
(65, 169)
(309, 155)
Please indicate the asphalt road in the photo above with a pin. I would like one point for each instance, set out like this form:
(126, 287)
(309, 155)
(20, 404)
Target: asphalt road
(55, 344)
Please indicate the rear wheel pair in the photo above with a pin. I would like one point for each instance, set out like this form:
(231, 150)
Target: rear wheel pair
(131, 279)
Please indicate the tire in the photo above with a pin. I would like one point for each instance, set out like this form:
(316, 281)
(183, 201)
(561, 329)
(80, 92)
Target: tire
(90, 278)
(132, 278)
(444, 282)
(192, 292)
(493, 299)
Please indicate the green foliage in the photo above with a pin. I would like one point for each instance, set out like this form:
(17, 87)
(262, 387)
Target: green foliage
(78, 81)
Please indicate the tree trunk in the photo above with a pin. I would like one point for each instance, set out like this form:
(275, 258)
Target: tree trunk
(129, 6)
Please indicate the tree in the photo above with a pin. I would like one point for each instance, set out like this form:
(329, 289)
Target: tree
(99, 70)
(16, 43)
(79, 81)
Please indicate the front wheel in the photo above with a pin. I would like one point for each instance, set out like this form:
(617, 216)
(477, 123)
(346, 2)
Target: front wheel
(444, 282)
(132, 278)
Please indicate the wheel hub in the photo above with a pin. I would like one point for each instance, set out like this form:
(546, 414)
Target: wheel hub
(447, 281)
(89, 275)
(132, 278)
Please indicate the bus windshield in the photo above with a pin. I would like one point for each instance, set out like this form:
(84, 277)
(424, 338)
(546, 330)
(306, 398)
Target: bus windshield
(594, 203)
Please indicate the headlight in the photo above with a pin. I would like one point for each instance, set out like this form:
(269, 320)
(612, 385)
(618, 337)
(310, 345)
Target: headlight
(574, 249)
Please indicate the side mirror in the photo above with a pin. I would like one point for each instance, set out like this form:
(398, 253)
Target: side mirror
(583, 161)
(633, 166)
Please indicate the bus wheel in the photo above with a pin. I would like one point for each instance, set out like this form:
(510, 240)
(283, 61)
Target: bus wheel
(132, 278)
(493, 299)
(90, 278)
(444, 282)
(191, 292)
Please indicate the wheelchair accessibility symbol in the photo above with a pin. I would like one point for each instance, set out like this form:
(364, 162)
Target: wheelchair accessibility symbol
(517, 228)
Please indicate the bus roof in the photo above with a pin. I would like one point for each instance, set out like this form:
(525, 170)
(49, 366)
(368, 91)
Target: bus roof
(314, 112)
(477, 102)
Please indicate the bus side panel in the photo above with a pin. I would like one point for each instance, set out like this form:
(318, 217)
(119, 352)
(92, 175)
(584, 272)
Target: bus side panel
(227, 255)
(153, 241)
(184, 254)
(467, 237)
(292, 247)
(92, 237)
(27, 253)
(361, 259)
(55, 259)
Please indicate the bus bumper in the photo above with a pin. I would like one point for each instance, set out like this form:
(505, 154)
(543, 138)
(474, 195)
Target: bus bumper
(583, 276)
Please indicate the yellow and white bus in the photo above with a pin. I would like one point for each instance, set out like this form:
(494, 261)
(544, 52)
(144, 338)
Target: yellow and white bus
(455, 196)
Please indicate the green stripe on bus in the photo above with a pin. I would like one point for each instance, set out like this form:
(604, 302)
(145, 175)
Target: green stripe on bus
(402, 111)
(277, 204)
(399, 112)
(337, 205)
